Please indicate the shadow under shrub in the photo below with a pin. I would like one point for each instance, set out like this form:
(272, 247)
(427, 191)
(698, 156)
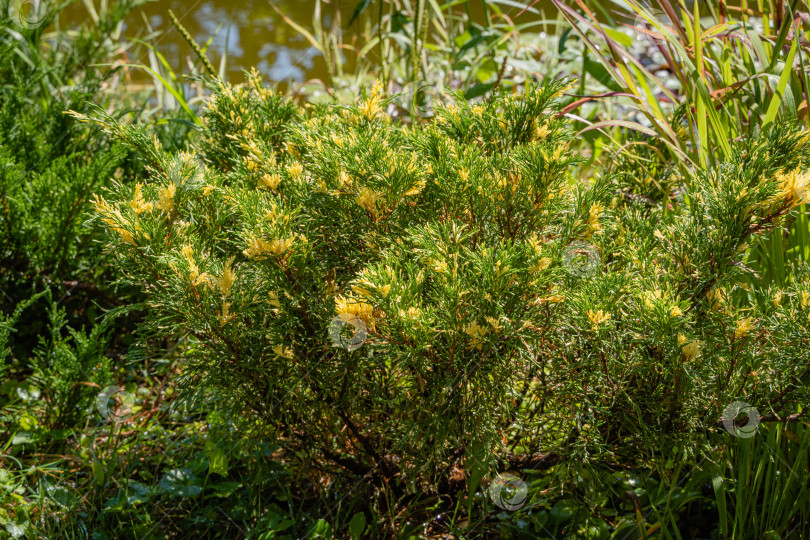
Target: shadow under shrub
(513, 315)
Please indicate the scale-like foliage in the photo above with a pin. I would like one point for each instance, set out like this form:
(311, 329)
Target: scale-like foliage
(507, 306)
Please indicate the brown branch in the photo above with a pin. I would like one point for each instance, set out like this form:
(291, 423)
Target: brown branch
(349, 464)
(539, 462)
(88, 288)
(769, 418)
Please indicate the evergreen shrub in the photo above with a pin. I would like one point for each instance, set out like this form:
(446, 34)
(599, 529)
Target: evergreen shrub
(421, 303)
(54, 283)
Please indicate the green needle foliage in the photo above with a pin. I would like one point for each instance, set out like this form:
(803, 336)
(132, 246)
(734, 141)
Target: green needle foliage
(508, 309)
(50, 165)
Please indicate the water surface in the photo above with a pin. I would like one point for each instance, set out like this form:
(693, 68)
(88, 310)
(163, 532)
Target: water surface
(249, 33)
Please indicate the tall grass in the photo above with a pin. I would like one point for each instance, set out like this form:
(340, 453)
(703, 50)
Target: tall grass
(426, 46)
(761, 487)
(737, 69)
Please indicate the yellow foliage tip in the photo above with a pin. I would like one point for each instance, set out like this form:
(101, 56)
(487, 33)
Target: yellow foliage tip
(228, 278)
(359, 308)
(598, 317)
(372, 106)
(794, 186)
(744, 327)
(259, 248)
(271, 181)
(476, 333)
(137, 203)
(166, 198)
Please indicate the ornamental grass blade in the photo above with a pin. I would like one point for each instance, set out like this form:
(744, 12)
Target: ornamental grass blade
(779, 95)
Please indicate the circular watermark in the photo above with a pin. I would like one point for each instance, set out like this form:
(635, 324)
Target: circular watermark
(730, 414)
(27, 14)
(581, 259)
(416, 101)
(653, 27)
(190, 168)
(508, 492)
(119, 412)
(338, 332)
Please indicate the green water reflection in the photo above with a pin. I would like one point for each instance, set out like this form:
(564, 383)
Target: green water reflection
(249, 33)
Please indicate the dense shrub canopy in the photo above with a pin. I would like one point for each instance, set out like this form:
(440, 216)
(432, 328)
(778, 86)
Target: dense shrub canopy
(53, 276)
(508, 307)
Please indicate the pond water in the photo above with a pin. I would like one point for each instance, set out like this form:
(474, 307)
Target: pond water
(251, 33)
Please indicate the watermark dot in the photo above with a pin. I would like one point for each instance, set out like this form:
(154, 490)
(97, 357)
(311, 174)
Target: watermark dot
(581, 259)
(117, 413)
(414, 101)
(419, 102)
(733, 411)
(509, 492)
(339, 333)
(27, 14)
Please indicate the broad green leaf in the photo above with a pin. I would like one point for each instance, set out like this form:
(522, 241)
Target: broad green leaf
(181, 483)
(357, 525)
(486, 70)
(618, 36)
(99, 473)
(322, 529)
(225, 489)
(217, 459)
(478, 89)
(15, 530)
(22, 437)
(598, 72)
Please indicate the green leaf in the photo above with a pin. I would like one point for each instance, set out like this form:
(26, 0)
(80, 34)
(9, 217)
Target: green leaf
(478, 89)
(618, 36)
(778, 96)
(99, 473)
(225, 489)
(22, 437)
(217, 459)
(298, 28)
(61, 495)
(627, 531)
(720, 496)
(134, 493)
(562, 511)
(597, 530)
(172, 90)
(27, 422)
(461, 39)
(596, 70)
(357, 525)
(28, 392)
(181, 483)
(563, 38)
(478, 470)
(358, 10)
(487, 70)
(140, 492)
(322, 529)
(16, 530)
